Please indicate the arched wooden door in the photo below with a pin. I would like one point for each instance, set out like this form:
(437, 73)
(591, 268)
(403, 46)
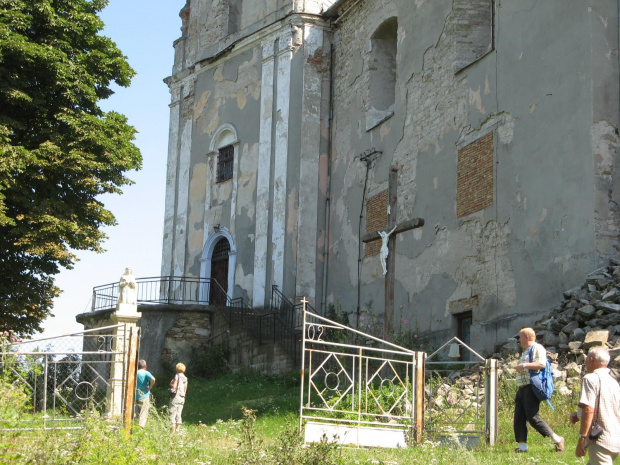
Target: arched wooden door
(219, 273)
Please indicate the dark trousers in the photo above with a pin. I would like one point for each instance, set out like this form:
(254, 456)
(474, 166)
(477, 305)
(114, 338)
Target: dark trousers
(526, 410)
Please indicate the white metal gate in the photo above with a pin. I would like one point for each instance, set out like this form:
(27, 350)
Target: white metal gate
(461, 395)
(358, 389)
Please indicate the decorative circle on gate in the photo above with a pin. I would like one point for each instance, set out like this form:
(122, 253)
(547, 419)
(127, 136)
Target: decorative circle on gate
(332, 381)
(84, 390)
(387, 387)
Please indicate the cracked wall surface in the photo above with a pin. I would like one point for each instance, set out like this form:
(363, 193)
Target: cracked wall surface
(537, 80)
(509, 261)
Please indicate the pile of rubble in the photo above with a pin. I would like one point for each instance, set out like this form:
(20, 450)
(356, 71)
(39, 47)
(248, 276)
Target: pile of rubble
(587, 316)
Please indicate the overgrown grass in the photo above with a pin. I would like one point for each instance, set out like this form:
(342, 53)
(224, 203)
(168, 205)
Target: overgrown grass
(252, 418)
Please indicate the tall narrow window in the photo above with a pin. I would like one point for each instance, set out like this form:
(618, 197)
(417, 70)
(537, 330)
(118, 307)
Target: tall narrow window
(225, 161)
(473, 30)
(382, 72)
(234, 16)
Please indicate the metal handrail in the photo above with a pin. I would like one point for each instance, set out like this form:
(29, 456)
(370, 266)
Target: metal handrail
(282, 325)
(290, 313)
(165, 290)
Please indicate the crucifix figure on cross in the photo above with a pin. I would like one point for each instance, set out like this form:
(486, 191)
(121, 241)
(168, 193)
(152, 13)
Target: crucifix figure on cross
(388, 248)
(384, 252)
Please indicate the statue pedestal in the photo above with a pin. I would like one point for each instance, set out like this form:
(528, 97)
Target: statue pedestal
(127, 309)
(127, 316)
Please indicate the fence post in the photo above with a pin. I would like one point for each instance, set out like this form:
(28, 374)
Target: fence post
(130, 386)
(45, 380)
(419, 362)
(490, 400)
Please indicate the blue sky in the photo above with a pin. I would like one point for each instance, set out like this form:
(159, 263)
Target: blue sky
(144, 30)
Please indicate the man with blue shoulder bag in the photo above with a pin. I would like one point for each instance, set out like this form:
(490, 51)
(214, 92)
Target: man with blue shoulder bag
(527, 404)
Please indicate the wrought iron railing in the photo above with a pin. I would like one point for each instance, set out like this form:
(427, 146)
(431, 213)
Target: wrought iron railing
(166, 290)
(282, 324)
(290, 313)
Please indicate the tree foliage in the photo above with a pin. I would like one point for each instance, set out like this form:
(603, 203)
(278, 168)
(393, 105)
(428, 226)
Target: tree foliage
(58, 150)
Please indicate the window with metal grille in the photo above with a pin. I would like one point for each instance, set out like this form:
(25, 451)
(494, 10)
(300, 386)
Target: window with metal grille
(225, 163)
(220, 252)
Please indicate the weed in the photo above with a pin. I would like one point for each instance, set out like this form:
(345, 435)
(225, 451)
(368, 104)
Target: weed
(218, 432)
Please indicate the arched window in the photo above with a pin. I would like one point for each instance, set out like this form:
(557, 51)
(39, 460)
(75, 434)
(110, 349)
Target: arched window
(225, 161)
(382, 72)
(224, 145)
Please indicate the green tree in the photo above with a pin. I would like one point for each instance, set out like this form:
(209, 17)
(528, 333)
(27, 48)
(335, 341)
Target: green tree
(58, 150)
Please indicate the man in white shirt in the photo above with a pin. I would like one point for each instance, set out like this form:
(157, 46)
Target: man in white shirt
(600, 401)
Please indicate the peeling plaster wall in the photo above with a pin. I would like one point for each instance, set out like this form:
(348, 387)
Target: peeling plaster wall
(227, 93)
(549, 91)
(266, 83)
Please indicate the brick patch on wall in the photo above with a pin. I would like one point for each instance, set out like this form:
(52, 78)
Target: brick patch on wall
(474, 176)
(376, 218)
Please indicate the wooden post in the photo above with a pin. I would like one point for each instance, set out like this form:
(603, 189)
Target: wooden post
(420, 371)
(130, 376)
(390, 262)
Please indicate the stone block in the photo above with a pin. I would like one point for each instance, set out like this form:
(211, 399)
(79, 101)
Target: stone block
(575, 345)
(595, 338)
(611, 295)
(570, 327)
(586, 310)
(608, 307)
(572, 370)
(578, 334)
(555, 325)
(550, 339)
(595, 296)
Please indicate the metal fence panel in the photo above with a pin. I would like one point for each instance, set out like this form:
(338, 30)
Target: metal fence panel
(64, 377)
(359, 391)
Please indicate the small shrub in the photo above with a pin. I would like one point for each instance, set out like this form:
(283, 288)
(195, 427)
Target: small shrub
(213, 361)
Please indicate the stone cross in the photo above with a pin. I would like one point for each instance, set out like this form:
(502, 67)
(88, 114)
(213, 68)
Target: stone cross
(395, 228)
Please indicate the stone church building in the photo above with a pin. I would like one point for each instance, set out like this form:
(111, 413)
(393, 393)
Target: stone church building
(301, 128)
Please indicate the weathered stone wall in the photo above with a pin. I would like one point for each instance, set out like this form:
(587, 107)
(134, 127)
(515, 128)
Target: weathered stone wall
(543, 231)
(265, 90)
(169, 336)
(246, 351)
(536, 82)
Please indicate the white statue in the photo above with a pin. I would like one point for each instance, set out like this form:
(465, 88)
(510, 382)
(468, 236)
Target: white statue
(127, 292)
(384, 248)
